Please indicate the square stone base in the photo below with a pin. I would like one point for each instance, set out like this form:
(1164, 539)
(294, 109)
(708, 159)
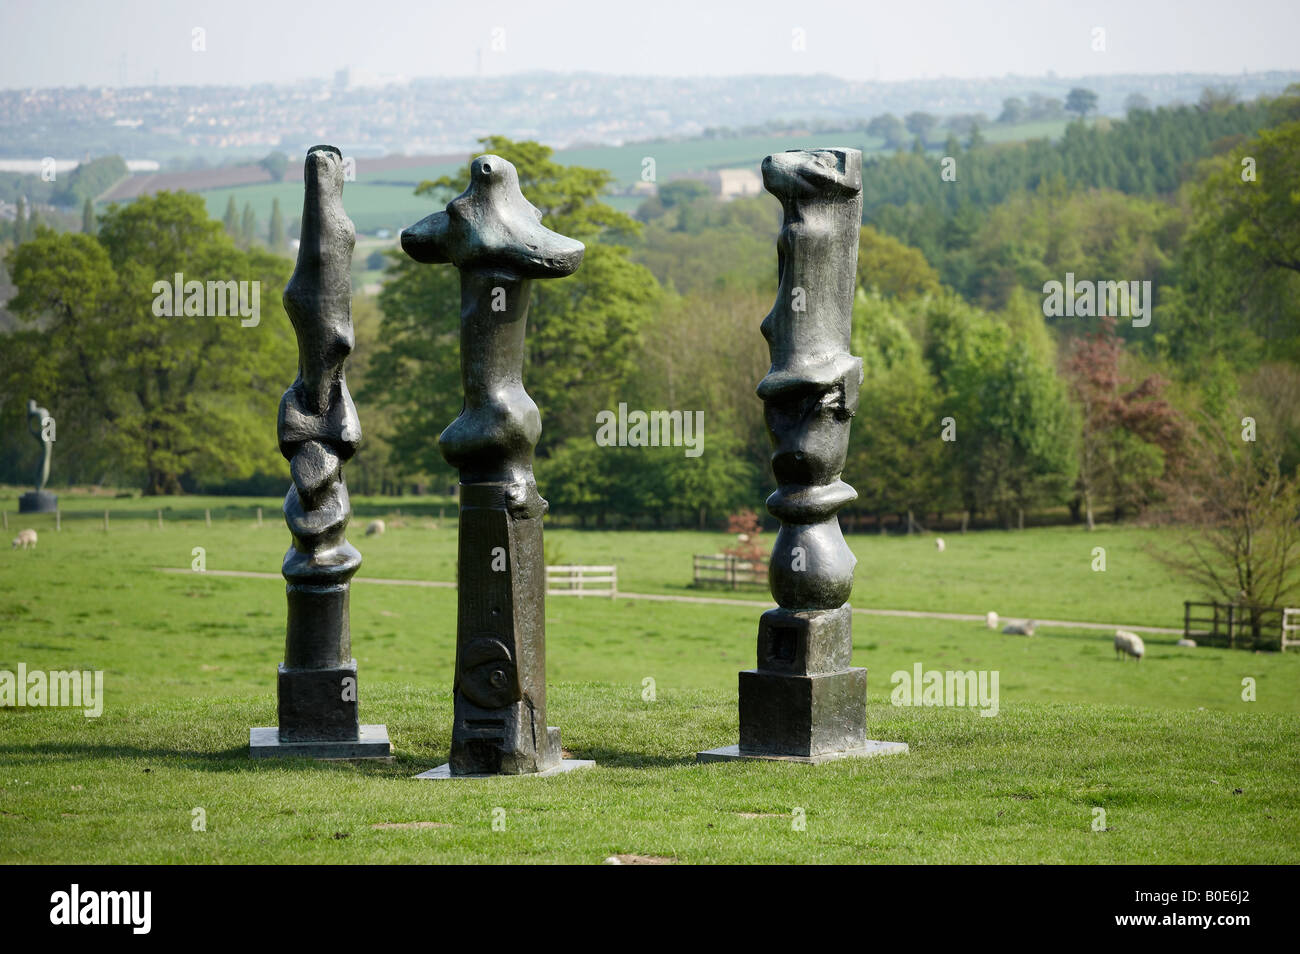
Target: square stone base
(371, 743)
(804, 715)
(38, 501)
(566, 765)
(731, 753)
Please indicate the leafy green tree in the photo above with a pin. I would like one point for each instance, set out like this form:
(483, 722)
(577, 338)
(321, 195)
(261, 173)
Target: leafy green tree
(1080, 101)
(1013, 112)
(895, 270)
(231, 218)
(276, 164)
(888, 127)
(584, 332)
(248, 226)
(921, 124)
(170, 401)
(275, 234)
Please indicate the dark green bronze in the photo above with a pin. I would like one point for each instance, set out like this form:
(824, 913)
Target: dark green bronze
(319, 432)
(39, 500)
(494, 237)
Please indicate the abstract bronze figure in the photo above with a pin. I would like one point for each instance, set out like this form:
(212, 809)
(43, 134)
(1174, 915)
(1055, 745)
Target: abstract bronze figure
(319, 431)
(804, 702)
(40, 425)
(494, 237)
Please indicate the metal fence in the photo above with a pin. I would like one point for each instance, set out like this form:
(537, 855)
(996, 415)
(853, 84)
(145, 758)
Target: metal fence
(1238, 625)
(727, 572)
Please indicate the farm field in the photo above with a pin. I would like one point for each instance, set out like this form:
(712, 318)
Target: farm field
(385, 199)
(189, 661)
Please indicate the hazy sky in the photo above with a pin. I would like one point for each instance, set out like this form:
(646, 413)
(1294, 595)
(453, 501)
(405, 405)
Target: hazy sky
(102, 42)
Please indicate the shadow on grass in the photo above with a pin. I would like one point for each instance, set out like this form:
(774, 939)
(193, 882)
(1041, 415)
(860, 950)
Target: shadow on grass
(234, 759)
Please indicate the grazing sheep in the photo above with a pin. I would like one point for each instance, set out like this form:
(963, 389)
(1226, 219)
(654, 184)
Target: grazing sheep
(1021, 629)
(375, 528)
(1130, 643)
(938, 544)
(25, 539)
(992, 620)
(1187, 642)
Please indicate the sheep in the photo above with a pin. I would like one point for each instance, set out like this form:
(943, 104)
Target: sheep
(1021, 629)
(938, 544)
(1187, 642)
(25, 539)
(1129, 643)
(376, 528)
(992, 620)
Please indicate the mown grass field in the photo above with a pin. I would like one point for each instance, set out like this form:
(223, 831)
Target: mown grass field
(189, 661)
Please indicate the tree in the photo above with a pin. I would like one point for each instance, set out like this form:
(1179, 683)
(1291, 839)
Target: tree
(921, 124)
(888, 127)
(892, 268)
(169, 401)
(1080, 101)
(248, 226)
(88, 217)
(276, 164)
(1122, 425)
(20, 222)
(1244, 543)
(1136, 103)
(231, 218)
(1013, 111)
(583, 335)
(275, 234)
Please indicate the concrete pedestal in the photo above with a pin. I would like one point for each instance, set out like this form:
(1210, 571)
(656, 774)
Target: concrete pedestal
(371, 743)
(38, 501)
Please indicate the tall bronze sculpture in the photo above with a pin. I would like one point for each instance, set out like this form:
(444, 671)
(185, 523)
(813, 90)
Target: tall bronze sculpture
(494, 237)
(319, 431)
(804, 701)
(40, 425)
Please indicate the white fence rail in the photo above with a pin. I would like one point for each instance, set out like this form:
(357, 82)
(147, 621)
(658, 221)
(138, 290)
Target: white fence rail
(582, 581)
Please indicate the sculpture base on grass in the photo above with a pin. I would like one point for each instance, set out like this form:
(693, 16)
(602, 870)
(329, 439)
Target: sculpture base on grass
(732, 753)
(38, 501)
(556, 768)
(371, 743)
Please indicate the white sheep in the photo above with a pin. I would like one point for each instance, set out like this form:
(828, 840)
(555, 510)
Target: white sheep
(25, 539)
(1129, 643)
(938, 544)
(1021, 629)
(1191, 643)
(375, 528)
(992, 620)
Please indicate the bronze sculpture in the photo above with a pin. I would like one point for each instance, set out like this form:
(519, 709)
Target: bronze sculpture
(40, 424)
(494, 237)
(318, 432)
(804, 701)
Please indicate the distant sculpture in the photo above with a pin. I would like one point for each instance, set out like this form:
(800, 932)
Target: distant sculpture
(495, 238)
(804, 701)
(41, 426)
(319, 431)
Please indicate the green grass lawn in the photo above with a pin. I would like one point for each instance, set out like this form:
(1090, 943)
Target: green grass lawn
(189, 662)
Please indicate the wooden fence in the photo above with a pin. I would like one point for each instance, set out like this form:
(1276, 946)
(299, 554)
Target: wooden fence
(1240, 625)
(724, 571)
(576, 580)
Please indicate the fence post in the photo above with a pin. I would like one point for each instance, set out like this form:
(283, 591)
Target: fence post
(58, 519)
(259, 516)
(207, 517)
(6, 516)
(106, 521)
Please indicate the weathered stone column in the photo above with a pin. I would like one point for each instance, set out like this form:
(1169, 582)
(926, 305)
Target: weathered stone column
(494, 236)
(319, 431)
(804, 701)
